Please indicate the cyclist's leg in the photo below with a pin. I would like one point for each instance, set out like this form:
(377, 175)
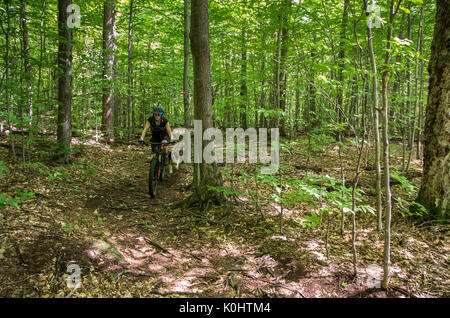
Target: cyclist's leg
(155, 148)
(165, 148)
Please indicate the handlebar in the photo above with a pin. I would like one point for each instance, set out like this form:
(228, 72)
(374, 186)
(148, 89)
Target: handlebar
(156, 143)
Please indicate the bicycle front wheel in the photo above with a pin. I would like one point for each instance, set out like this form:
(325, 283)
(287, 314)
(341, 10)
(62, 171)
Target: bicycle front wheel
(153, 178)
(162, 172)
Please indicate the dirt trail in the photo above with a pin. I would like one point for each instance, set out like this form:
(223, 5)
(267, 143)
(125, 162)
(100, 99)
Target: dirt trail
(129, 245)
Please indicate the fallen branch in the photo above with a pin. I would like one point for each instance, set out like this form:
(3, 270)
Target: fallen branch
(401, 291)
(157, 246)
(20, 281)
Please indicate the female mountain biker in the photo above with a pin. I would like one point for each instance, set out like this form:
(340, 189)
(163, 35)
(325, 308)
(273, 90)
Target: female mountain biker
(161, 131)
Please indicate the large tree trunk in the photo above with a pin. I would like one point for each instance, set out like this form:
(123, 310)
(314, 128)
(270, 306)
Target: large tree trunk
(209, 173)
(64, 130)
(434, 193)
(109, 33)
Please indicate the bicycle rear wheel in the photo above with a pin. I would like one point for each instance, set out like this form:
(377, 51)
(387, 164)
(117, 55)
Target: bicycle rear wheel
(153, 178)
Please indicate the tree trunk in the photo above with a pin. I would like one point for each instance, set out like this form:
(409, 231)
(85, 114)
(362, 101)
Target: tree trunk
(283, 79)
(297, 105)
(7, 98)
(420, 51)
(187, 117)
(411, 112)
(243, 91)
(209, 173)
(42, 44)
(273, 121)
(385, 120)
(262, 117)
(26, 61)
(434, 193)
(130, 69)
(341, 54)
(109, 33)
(64, 130)
(310, 115)
(340, 97)
(375, 125)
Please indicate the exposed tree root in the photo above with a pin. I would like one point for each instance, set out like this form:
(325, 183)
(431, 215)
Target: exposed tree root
(201, 197)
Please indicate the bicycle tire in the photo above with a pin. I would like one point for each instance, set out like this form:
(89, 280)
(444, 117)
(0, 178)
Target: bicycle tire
(153, 178)
(163, 172)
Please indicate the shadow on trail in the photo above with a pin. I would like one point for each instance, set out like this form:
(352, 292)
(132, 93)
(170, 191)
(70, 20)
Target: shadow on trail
(223, 253)
(129, 245)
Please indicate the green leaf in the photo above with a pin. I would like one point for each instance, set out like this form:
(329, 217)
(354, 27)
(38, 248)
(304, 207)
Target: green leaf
(3, 169)
(405, 10)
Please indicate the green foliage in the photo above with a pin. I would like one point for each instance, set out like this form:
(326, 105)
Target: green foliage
(67, 227)
(21, 196)
(310, 221)
(4, 201)
(404, 183)
(59, 150)
(3, 169)
(24, 195)
(34, 165)
(61, 173)
(319, 142)
(410, 209)
(407, 208)
(157, 60)
(14, 202)
(86, 170)
(226, 191)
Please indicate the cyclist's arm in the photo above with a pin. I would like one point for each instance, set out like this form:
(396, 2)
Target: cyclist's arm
(169, 131)
(147, 126)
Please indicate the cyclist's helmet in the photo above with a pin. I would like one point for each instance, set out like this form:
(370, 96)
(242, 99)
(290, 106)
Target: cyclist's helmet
(158, 110)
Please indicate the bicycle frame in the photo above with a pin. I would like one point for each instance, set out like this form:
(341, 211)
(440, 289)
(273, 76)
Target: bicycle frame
(157, 169)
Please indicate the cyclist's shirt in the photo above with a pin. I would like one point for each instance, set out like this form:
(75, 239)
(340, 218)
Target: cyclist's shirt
(159, 131)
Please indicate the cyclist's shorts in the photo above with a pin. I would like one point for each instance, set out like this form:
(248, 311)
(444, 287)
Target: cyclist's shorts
(156, 139)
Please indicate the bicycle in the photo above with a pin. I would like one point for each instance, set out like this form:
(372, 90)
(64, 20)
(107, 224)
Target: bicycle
(157, 168)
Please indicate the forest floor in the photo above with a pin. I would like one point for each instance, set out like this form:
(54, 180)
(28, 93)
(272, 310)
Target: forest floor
(97, 214)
